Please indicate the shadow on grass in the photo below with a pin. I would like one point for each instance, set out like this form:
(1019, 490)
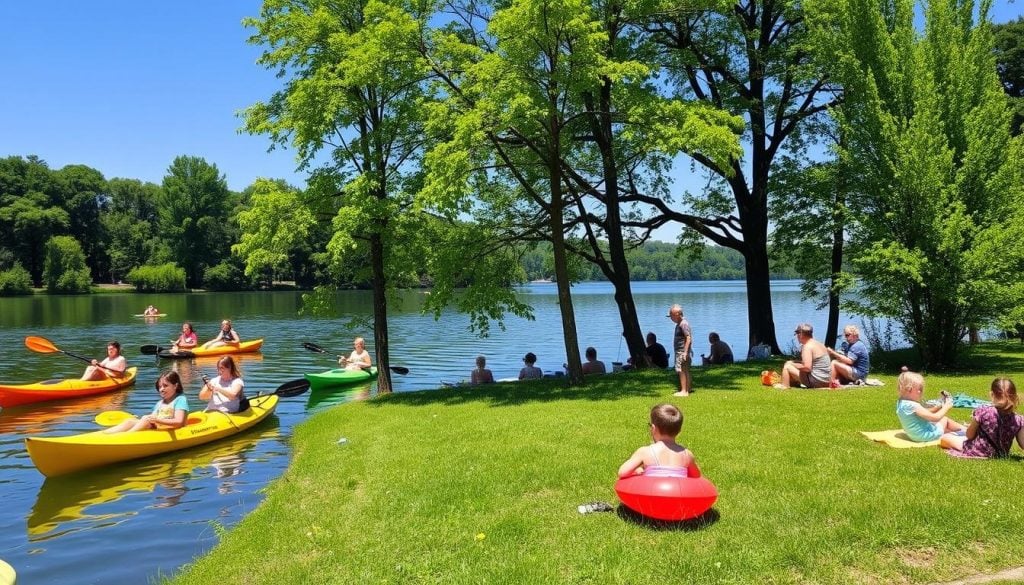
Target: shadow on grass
(652, 383)
(693, 524)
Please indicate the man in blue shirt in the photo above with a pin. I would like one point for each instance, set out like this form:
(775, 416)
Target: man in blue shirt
(852, 363)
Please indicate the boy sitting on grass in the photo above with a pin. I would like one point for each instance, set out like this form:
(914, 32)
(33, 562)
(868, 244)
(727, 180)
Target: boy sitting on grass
(664, 458)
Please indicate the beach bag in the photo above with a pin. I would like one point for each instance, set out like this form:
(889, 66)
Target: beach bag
(770, 378)
(761, 351)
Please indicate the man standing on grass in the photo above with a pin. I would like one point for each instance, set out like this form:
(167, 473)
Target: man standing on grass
(681, 342)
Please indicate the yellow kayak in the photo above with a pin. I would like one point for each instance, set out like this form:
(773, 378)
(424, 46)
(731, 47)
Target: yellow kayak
(15, 395)
(55, 456)
(198, 351)
(7, 575)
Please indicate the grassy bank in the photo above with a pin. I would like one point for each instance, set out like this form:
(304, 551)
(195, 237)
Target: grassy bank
(481, 486)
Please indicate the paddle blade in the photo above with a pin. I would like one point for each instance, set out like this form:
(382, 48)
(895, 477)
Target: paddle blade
(293, 388)
(109, 418)
(149, 349)
(313, 347)
(40, 345)
(400, 370)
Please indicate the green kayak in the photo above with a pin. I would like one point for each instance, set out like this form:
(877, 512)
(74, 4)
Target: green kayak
(340, 377)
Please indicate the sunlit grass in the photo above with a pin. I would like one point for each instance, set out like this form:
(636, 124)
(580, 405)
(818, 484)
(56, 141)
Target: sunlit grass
(481, 486)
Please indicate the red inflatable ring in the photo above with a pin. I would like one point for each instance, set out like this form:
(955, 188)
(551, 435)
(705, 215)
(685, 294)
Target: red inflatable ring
(668, 498)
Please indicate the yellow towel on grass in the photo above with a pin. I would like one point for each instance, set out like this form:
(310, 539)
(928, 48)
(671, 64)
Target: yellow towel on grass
(896, 438)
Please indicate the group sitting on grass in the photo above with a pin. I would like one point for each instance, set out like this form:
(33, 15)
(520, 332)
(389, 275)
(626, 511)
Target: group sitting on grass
(990, 433)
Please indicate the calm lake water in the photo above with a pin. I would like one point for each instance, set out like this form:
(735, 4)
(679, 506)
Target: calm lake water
(160, 513)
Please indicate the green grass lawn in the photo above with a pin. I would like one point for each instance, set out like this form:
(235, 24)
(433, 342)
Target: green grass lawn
(480, 485)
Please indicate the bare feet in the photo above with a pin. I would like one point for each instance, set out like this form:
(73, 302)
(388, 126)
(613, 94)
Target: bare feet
(681, 393)
(778, 386)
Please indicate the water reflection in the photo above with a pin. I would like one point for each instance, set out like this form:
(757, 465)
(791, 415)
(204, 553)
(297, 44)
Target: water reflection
(93, 500)
(34, 419)
(322, 398)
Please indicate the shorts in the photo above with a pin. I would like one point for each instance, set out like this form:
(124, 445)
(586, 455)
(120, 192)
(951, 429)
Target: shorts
(682, 360)
(813, 382)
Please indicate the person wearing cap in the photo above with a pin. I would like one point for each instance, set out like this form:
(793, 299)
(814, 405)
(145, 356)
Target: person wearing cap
(530, 371)
(813, 369)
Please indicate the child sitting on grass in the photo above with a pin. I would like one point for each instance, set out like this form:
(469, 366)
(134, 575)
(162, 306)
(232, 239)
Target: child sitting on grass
(922, 423)
(664, 458)
(992, 428)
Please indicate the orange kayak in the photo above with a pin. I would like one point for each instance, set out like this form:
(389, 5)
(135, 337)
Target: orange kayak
(198, 351)
(14, 395)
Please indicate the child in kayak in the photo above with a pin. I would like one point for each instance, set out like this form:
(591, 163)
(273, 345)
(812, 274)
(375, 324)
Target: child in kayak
(226, 336)
(665, 457)
(170, 412)
(225, 392)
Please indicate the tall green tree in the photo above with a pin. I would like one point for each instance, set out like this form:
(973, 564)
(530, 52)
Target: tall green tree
(130, 226)
(30, 211)
(350, 106)
(1009, 46)
(83, 194)
(65, 270)
(194, 208)
(553, 102)
(749, 58)
(936, 179)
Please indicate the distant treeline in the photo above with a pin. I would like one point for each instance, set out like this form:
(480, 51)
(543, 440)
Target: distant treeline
(659, 261)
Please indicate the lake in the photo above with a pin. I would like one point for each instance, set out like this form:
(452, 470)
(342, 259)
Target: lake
(134, 522)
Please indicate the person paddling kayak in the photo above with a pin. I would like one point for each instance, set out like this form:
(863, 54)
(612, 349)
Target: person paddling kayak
(112, 365)
(226, 336)
(359, 359)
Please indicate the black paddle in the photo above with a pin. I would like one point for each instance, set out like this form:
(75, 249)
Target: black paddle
(317, 349)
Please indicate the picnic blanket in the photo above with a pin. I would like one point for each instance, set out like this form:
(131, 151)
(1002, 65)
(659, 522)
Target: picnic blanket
(961, 400)
(865, 382)
(896, 438)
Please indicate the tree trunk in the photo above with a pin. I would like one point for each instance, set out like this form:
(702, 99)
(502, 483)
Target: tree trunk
(832, 330)
(572, 346)
(380, 313)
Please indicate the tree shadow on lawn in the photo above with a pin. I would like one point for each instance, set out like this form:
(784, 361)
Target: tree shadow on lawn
(692, 525)
(649, 383)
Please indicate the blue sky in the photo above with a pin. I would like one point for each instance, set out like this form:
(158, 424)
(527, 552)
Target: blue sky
(125, 86)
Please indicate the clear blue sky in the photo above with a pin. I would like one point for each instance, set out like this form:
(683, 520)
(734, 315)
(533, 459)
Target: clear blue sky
(124, 86)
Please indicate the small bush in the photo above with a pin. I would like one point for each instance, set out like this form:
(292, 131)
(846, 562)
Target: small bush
(15, 281)
(227, 275)
(64, 269)
(163, 278)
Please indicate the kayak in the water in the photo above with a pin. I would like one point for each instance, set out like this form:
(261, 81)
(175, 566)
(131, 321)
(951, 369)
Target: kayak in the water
(17, 394)
(55, 456)
(199, 351)
(341, 377)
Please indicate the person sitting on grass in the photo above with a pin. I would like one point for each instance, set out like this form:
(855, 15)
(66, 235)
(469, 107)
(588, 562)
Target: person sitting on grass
(922, 423)
(170, 412)
(593, 365)
(665, 457)
(480, 374)
(851, 364)
(226, 336)
(992, 428)
(721, 353)
(530, 371)
(813, 368)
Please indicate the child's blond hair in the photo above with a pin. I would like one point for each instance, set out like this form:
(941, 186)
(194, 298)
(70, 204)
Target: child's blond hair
(909, 381)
